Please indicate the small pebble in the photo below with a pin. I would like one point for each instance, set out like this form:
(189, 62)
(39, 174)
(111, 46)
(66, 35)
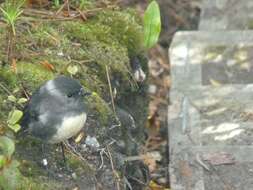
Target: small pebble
(92, 142)
(60, 54)
(162, 180)
(152, 89)
(74, 176)
(44, 162)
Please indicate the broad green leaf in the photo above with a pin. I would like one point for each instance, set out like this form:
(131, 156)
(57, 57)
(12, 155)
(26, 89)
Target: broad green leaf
(15, 127)
(2, 161)
(12, 98)
(152, 24)
(72, 69)
(7, 146)
(22, 100)
(14, 117)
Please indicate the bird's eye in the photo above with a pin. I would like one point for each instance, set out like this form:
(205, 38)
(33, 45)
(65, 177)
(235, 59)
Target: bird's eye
(70, 95)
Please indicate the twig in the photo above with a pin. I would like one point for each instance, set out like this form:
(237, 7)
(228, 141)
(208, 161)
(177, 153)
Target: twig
(113, 169)
(68, 8)
(200, 161)
(128, 184)
(137, 180)
(134, 158)
(77, 154)
(49, 15)
(24, 90)
(60, 9)
(82, 14)
(110, 88)
(5, 89)
(102, 151)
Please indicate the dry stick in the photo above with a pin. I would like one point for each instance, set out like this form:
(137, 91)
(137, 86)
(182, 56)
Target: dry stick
(49, 15)
(113, 169)
(60, 9)
(83, 16)
(33, 12)
(5, 89)
(110, 88)
(76, 153)
(24, 90)
(10, 46)
(68, 8)
(138, 181)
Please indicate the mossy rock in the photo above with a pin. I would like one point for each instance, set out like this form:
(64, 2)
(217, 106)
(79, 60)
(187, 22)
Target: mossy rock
(44, 50)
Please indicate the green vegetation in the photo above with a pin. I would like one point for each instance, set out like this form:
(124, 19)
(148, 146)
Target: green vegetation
(43, 50)
(9, 166)
(152, 25)
(11, 12)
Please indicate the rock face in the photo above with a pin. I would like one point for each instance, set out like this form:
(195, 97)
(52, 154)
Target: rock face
(226, 15)
(93, 52)
(211, 112)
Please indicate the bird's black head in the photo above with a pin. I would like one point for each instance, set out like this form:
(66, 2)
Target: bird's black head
(67, 87)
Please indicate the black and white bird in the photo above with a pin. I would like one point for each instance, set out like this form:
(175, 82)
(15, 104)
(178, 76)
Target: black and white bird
(56, 110)
(138, 73)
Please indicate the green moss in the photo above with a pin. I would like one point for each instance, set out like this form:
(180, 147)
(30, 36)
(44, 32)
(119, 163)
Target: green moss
(99, 46)
(125, 27)
(9, 81)
(39, 184)
(108, 39)
(8, 77)
(29, 74)
(99, 107)
(85, 4)
(77, 164)
(45, 35)
(33, 74)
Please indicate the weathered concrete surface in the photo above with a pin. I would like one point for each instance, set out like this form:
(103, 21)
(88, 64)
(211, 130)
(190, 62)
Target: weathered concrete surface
(211, 115)
(226, 15)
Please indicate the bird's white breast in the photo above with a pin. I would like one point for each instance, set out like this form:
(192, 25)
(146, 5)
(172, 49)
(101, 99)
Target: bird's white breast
(70, 126)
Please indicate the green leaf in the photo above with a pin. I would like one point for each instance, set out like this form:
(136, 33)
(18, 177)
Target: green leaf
(14, 117)
(2, 161)
(16, 90)
(152, 24)
(72, 69)
(22, 100)
(15, 127)
(12, 98)
(7, 146)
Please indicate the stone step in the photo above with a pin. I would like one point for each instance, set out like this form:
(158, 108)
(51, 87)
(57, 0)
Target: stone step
(226, 15)
(211, 112)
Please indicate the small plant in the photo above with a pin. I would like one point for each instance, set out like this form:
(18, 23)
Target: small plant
(13, 119)
(83, 3)
(57, 3)
(10, 176)
(152, 25)
(9, 170)
(11, 12)
(72, 69)
(15, 115)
